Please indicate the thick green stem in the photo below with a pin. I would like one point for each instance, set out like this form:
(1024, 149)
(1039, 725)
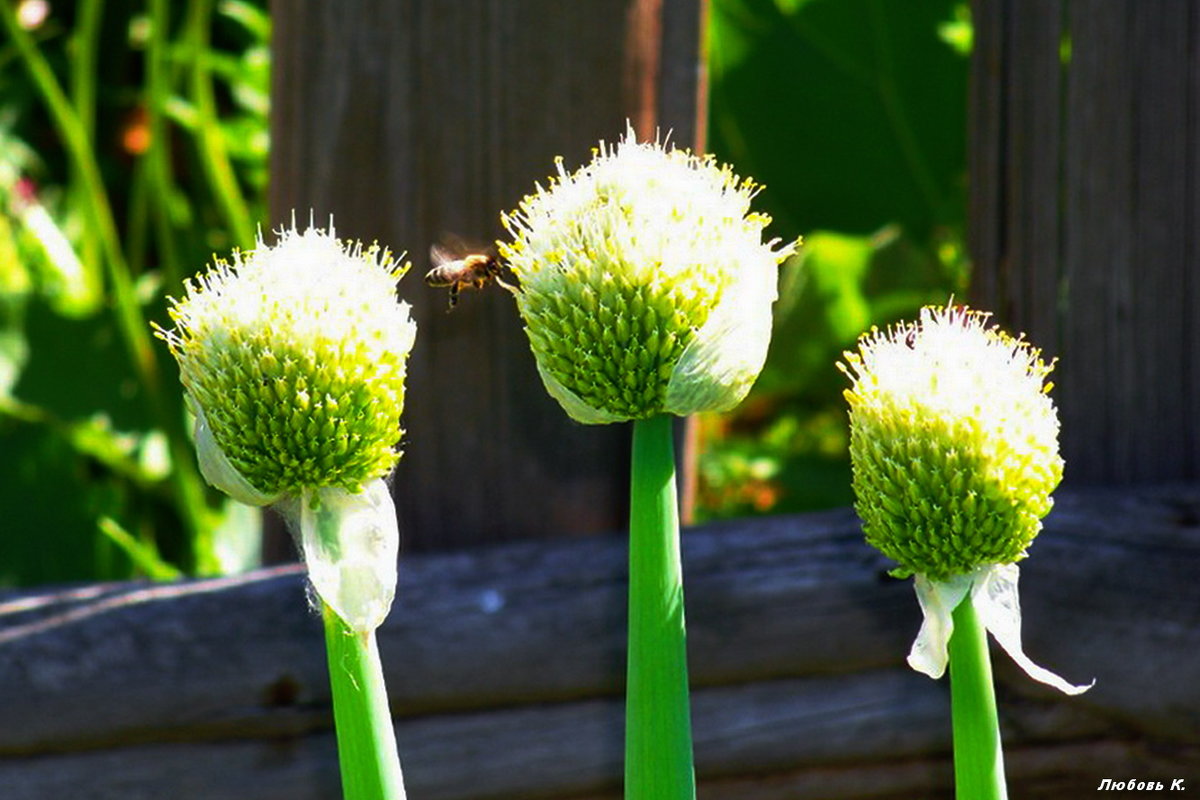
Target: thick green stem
(978, 758)
(658, 728)
(367, 754)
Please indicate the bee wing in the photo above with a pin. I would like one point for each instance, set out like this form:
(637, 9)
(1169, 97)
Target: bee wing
(440, 254)
(460, 247)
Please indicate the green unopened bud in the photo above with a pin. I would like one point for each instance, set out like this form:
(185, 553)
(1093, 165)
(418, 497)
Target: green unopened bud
(293, 358)
(645, 284)
(954, 446)
(954, 443)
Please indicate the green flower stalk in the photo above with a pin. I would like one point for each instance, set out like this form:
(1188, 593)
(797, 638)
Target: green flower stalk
(293, 358)
(646, 291)
(954, 446)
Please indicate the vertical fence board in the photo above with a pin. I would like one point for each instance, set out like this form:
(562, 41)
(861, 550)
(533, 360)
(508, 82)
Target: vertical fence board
(1030, 271)
(1190, 371)
(410, 119)
(1083, 187)
(1160, 37)
(985, 115)
(1096, 376)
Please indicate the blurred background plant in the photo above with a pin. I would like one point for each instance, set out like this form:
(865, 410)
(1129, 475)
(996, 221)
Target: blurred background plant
(853, 113)
(133, 145)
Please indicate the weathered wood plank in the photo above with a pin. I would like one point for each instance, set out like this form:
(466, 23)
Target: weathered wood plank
(1083, 172)
(1158, 302)
(505, 669)
(574, 751)
(407, 120)
(985, 135)
(1031, 266)
(1189, 380)
(546, 621)
(831, 736)
(1015, 163)
(1096, 378)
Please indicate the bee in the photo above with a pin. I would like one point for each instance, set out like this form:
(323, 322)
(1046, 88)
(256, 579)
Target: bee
(457, 267)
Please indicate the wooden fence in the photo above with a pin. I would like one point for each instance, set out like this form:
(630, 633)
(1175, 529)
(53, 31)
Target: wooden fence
(505, 662)
(1085, 217)
(505, 668)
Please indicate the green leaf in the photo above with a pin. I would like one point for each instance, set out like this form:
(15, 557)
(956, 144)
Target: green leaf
(142, 553)
(852, 112)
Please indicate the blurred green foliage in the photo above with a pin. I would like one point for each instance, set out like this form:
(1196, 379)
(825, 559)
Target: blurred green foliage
(133, 144)
(853, 114)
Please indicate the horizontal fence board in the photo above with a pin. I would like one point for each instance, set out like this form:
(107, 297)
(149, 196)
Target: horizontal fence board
(556, 753)
(505, 670)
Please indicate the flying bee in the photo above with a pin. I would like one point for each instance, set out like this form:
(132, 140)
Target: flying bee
(459, 268)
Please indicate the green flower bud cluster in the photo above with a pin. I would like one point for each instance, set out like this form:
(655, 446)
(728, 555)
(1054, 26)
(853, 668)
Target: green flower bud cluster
(294, 358)
(617, 354)
(954, 442)
(645, 284)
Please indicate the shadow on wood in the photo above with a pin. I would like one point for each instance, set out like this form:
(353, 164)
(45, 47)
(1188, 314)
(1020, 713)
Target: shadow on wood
(505, 669)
